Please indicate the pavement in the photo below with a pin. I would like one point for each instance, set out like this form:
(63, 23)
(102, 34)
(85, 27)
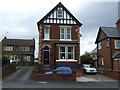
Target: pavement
(22, 79)
(95, 78)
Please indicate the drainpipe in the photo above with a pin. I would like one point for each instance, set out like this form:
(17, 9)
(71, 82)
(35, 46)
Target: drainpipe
(97, 57)
(55, 58)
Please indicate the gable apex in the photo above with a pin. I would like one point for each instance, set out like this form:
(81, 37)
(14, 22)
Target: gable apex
(59, 15)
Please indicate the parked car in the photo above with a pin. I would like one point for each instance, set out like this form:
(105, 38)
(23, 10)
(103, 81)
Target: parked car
(61, 71)
(88, 68)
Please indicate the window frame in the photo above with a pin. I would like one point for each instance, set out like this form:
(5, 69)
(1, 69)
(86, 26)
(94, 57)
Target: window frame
(59, 14)
(48, 28)
(99, 46)
(65, 33)
(102, 61)
(115, 43)
(66, 53)
(24, 48)
(7, 48)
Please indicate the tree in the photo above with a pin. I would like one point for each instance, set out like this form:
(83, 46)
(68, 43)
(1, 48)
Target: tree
(86, 59)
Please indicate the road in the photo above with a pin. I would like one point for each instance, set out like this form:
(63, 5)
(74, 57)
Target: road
(22, 79)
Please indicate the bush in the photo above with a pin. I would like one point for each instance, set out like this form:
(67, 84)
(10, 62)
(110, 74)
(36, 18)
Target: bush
(5, 60)
(86, 60)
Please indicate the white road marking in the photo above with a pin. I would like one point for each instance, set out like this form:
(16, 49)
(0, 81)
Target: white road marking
(42, 82)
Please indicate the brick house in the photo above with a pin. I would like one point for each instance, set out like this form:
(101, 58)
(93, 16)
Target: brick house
(19, 49)
(93, 54)
(59, 39)
(108, 50)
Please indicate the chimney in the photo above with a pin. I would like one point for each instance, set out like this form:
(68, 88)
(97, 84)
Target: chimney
(118, 23)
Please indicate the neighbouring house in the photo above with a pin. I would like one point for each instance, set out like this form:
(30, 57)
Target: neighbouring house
(59, 39)
(19, 50)
(93, 54)
(108, 50)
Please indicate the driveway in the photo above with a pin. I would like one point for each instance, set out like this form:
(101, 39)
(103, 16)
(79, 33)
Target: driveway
(95, 78)
(22, 79)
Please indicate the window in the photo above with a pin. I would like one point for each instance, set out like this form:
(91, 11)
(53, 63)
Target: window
(59, 14)
(62, 52)
(8, 48)
(46, 33)
(66, 52)
(99, 46)
(117, 44)
(24, 48)
(65, 34)
(70, 52)
(102, 60)
(27, 58)
(108, 43)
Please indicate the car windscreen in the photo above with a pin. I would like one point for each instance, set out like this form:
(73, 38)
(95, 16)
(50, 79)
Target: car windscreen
(88, 66)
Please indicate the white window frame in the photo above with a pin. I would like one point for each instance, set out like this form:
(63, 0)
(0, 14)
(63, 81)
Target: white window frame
(24, 49)
(65, 33)
(99, 46)
(66, 52)
(8, 48)
(48, 34)
(102, 59)
(115, 43)
(108, 43)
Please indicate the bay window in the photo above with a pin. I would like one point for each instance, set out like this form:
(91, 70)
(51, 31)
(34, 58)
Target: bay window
(66, 52)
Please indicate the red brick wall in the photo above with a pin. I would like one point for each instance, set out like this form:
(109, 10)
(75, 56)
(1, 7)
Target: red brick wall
(55, 37)
(105, 52)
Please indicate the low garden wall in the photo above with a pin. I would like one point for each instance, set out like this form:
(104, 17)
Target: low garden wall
(75, 74)
(8, 69)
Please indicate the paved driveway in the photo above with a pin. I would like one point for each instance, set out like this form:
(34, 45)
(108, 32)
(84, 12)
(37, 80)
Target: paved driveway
(22, 79)
(95, 78)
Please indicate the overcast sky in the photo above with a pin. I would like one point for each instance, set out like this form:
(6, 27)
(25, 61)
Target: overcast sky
(18, 18)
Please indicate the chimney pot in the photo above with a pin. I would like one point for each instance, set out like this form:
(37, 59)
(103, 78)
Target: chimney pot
(118, 23)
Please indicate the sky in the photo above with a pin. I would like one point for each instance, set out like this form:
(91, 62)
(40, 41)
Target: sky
(18, 18)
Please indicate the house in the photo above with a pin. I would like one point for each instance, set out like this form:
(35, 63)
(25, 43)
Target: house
(108, 50)
(93, 54)
(59, 39)
(20, 50)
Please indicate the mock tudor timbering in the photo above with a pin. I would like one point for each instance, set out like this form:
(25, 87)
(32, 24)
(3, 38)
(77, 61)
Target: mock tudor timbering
(59, 39)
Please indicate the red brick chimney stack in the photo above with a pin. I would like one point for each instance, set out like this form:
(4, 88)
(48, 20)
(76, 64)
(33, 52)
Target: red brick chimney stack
(118, 23)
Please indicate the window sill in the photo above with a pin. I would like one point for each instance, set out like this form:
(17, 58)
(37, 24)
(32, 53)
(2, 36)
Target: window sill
(46, 39)
(65, 40)
(64, 60)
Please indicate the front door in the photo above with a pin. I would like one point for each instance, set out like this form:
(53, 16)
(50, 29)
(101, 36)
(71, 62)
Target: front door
(46, 58)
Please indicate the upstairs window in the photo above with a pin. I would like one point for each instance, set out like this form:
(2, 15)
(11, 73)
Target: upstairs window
(60, 13)
(8, 48)
(99, 46)
(46, 33)
(117, 44)
(65, 34)
(24, 48)
(108, 43)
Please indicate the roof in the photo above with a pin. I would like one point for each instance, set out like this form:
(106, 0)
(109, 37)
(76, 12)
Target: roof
(94, 51)
(18, 42)
(110, 32)
(117, 55)
(52, 12)
(86, 54)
